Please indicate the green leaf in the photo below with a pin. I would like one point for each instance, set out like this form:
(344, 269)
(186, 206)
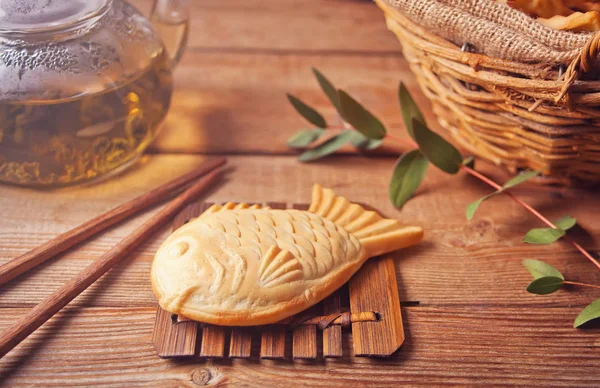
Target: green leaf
(329, 89)
(361, 141)
(436, 149)
(472, 207)
(361, 119)
(591, 311)
(543, 236)
(539, 269)
(305, 137)
(407, 176)
(409, 109)
(326, 148)
(469, 161)
(517, 180)
(545, 285)
(311, 115)
(566, 222)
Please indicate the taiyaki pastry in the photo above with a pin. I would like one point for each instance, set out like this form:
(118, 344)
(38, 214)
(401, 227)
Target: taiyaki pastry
(240, 265)
(540, 8)
(576, 22)
(567, 15)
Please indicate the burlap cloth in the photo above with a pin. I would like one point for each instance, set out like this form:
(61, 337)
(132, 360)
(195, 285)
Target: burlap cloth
(494, 29)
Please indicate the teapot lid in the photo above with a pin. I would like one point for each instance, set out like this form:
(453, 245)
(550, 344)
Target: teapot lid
(47, 53)
(26, 16)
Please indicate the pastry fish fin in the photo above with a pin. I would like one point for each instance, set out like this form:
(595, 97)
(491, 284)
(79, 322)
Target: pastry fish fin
(376, 234)
(278, 266)
(232, 206)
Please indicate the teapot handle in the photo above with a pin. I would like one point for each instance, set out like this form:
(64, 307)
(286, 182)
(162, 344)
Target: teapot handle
(171, 20)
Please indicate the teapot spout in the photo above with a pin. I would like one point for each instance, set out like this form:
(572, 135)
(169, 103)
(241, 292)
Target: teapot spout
(171, 20)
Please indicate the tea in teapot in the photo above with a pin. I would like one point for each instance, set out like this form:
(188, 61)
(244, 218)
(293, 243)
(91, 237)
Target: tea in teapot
(84, 86)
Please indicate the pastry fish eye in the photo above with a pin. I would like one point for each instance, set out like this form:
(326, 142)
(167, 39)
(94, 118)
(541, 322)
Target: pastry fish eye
(178, 249)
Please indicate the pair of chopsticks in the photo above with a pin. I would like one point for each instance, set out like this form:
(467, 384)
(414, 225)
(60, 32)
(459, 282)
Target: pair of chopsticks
(26, 325)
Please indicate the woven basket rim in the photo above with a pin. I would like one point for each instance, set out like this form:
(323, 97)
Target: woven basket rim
(518, 115)
(531, 42)
(542, 78)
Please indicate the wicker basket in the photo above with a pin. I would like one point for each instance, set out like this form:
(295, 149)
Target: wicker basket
(516, 114)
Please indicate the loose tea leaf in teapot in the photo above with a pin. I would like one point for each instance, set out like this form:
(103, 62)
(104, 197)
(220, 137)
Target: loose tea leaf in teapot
(84, 85)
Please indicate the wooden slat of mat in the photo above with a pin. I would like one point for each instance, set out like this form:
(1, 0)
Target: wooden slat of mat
(240, 342)
(332, 335)
(304, 338)
(213, 342)
(304, 343)
(374, 288)
(213, 337)
(272, 343)
(173, 340)
(189, 213)
(176, 339)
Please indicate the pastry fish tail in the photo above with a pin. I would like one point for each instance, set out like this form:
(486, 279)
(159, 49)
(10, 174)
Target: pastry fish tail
(376, 234)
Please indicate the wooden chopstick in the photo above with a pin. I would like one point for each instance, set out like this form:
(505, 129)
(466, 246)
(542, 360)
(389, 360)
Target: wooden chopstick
(36, 256)
(26, 325)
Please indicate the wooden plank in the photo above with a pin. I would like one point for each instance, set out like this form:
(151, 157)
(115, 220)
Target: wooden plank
(240, 343)
(277, 205)
(218, 109)
(213, 341)
(486, 346)
(272, 342)
(461, 256)
(213, 337)
(304, 342)
(282, 26)
(190, 212)
(374, 289)
(173, 339)
(332, 335)
(304, 337)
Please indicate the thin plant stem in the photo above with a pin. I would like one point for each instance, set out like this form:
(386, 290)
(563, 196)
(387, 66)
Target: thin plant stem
(580, 284)
(527, 207)
(490, 182)
(582, 250)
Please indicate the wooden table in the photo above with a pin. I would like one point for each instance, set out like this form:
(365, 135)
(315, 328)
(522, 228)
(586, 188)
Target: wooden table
(468, 318)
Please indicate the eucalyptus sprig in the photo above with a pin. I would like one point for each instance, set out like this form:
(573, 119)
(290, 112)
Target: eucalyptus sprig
(547, 279)
(367, 135)
(365, 131)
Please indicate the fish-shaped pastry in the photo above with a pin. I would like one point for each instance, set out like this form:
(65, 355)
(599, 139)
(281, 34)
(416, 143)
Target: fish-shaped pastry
(240, 265)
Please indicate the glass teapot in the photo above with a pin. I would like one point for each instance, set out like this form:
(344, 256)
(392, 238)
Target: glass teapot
(84, 85)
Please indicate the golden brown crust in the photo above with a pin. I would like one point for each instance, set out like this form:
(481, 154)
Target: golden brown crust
(269, 314)
(567, 15)
(242, 266)
(576, 22)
